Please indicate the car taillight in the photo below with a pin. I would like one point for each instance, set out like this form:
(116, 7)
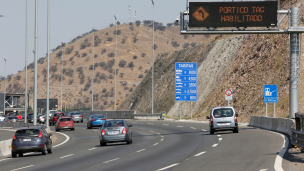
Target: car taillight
(42, 117)
(211, 119)
(235, 118)
(72, 116)
(104, 119)
(14, 137)
(124, 131)
(40, 135)
(80, 116)
(103, 132)
(93, 119)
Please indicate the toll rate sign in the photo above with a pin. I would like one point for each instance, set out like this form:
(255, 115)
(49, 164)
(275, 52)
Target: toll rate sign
(185, 81)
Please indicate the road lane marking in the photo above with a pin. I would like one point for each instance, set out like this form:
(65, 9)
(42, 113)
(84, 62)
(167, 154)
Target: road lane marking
(162, 136)
(204, 130)
(168, 166)
(150, 123)
(92, 148)
(214, 145)
(180, 126)
(192, 128)
(151, 131)
(158, 133)
(264, 169)
(200, 153)
(220, 139)
(95, 130)
(218, 135)
(66, 140)
(140, 150)
(5, 159)
(166, 124)
(23, 167)
(141, 128)
(66, 156)
(162, 140)
(279, 158)
(155, 144)
(111, 160)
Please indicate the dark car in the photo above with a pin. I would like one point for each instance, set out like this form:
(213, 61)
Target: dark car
(12, 119)
(15, 114)
(55, 117)
(31, 139)
(30, 118)
(64, 123)
(115, 131)
(95, 121)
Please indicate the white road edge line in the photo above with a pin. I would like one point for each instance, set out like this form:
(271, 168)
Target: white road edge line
(66, 140)
(5, 159)
(162, 140)
(111, 160)
(92, 148)
(23, 167)
(66, 156)
(166, 124)
(168, 166)
(192, 128)
(204, 130)
(140, 150)
(279, 158)
(200, 153)
(180, 126)
(214, 145)
(155, 144)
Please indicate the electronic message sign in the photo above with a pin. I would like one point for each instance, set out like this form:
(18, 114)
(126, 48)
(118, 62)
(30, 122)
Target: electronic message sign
(233, 14)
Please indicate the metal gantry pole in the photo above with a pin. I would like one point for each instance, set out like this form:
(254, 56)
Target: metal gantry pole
(4, 85)
(48, 68)
(61, 75)
(115, 61)
(93, 74)
(153, 64)
(35, 62)
(191, 109)
(266, 109)
(25, 97)
(294, 65)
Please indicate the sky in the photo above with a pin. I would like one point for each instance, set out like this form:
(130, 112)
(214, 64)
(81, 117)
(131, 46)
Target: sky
(68, 19)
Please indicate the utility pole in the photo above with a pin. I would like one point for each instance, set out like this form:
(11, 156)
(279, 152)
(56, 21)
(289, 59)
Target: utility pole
(153, 63)
(61, 74)
(93, 74)
(4, 85)
(35, 62)
(48, 68)
(115, 62)
(25, 97)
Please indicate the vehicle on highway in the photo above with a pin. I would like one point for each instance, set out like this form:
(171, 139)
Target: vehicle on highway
(12, 119)
(30, 118)
(31, 139)
(76, 116)
(54, 117)
(2, 117)
(223, 119)
(115, 131)
(64, 123)
(41, 118)
(15, 114)
(96, 121)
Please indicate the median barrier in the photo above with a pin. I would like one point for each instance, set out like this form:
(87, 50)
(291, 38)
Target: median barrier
(289, 125)
(268, 123)
(255, 121)
(259, 124)
(282, 125)
(275, 124)
(251, 121)
(5, 147)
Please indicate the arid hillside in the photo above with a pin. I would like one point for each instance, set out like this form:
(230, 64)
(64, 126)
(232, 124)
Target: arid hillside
(134, 59)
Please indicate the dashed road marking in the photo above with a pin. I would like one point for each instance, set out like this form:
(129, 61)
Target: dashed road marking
(66, 156)
(95, 130)
(140, 150)
(220, 139)
(158, 133)
(166, 124)
(218, 135)
(151, 131)
(200, 153)
(23, 167)
(162, 140)
(150, 123)
(180, 126)
(92, 148)
(111, 160)
(204, 130)
(214, 145)
(264, 169)
(155, 144)
(164, 168)
(192, 128)
(162, 136)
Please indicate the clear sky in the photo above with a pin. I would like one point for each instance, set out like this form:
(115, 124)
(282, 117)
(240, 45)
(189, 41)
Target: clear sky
(68, 19)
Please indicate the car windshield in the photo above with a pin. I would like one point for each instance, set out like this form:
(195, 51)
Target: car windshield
(97, 116)
(65, 119)
(12, 117)
(52, 112)
(113, 123)
(27, 132)
(30, 116)
(75, 114)
(56, 114)
(225, 112)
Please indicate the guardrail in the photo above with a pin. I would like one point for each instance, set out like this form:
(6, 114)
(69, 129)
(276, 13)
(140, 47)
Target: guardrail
(297, 131)
(157, 116)
(15, 125)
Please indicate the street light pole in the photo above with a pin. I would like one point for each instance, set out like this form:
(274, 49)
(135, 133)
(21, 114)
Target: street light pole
(153, 63)
(61, 74)
(48, 68)
(4, 84)
(93, 74)
(115, 61)
(35, 62)
(25, 97)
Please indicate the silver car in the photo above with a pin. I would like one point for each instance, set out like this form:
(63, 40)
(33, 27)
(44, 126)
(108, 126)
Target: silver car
(223, 119)
(2, 117)
(76, 116)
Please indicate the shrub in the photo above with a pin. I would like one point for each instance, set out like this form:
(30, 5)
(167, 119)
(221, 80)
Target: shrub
(111, 76)
(105, 103)
(82, 78)
(97, 40)
(121, 74)
(107, 33)
(69, 72)
(77, 54)
(85, 44)
(109, 39)
(96, 55)
(80, 70)
(59, 54)
(122, 63)
(186, 45)
(134, 38)
(111, 54)
(87, 86)
(53, 68)
(175, 44)
(71, 81)
(41, 60)
(135, 57)
(143, 55)
(71, 58)
(18, 77)
(131, 89)
(111, 25)
(96, 65)
(193, 44)
(69, 50)
(102, 64)
(131, 65)
(110, 64)
(155, 46)
(141, 76)
(118, 32)
(104, 90)
(84, 54)
(44, 71)
(118, 23)
(103, 51)
(72, 62)
(103, 77)
(186, 36)
(123, 40)
(126, 88)
(137, 23)
(146, 71)
(140, 67)
(91, 67)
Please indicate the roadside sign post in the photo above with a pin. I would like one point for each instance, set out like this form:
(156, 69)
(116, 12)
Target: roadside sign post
(228, 95)
(185, 82)
(270, 96)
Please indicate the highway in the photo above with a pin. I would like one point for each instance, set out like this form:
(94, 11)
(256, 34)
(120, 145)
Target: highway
(157, 145)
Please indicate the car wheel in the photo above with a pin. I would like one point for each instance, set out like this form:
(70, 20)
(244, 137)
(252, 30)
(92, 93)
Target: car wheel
(49, 150)
(44, 150)
(81, 121)
(211, 131)
(20, 154)
(236, 130)
(102, 143)
(14, 155)
(73, 129)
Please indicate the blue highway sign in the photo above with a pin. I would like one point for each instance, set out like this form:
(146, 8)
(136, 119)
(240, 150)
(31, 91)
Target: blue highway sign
(270, 93)
(185, 81)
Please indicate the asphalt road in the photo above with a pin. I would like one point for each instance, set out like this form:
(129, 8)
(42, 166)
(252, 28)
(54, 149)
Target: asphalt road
(6, 134)
(158, 145)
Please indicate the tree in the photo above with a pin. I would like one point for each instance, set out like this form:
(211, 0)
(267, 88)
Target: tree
(122, 63)
(135, 57)
(131, 65)
(155, 46)
(109, 39)
(143, 55)
(121, 74)
(137, 23)
(111, 25)
(175, 44)
(186, 45)
(118, 32)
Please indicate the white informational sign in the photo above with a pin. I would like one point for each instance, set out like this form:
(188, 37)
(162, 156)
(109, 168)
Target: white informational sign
(228, 94)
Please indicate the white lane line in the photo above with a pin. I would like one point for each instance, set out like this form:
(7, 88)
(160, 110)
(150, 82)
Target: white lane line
(162, 140)
(214, 145)
(5, 159)
(158, 133)
(264, 169)
(141, 128)
(220, 139)
(200, 153)
(83, 128)
(168, 166)
(66, 140)
(218, 135)
(92, 148)
(111, 160)
(162, 136)
(166, 124)
(279, 158)
(150, 123)
(151, 131)
(155, 144)
(66, 156)
(180, 126)
(192, 128)
(23, 167)
(204, 130)
(140, 150)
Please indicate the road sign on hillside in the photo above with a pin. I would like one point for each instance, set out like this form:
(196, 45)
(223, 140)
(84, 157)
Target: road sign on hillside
(270, 94)
(228, 94)
(185, 81)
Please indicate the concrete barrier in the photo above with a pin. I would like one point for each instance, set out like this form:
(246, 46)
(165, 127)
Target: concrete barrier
(5, 147)
(259, 124)
(275, 124)
(251, 121)
(255, 121)
(268, 123)
(282, 125)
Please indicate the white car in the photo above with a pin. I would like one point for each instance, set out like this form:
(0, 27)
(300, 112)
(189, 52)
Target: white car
(2, 117)
(41, 118)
